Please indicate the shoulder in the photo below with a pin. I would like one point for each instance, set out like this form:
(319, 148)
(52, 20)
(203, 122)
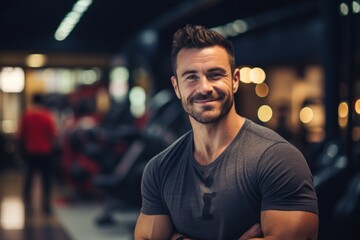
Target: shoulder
(158, 171)
(261, 133)
(167, 157)
(267, 149)
(257, 139)
(270, 140)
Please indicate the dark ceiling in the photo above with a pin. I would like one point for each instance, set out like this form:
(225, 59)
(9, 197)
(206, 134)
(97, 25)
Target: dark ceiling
(110, 25)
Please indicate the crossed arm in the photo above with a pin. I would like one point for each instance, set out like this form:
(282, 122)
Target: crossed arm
(275, 225)
(154, 227)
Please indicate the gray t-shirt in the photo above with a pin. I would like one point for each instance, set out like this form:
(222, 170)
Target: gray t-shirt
(258, 171)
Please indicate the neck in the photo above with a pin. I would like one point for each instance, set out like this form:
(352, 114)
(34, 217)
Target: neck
(210, 140)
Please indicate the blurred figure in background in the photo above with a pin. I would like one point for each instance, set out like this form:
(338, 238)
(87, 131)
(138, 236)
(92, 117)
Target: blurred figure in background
(37, 138)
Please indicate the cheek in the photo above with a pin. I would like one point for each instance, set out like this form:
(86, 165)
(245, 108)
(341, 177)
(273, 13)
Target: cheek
(185, 92)
(229, 83)
(181, 93)
(226, 86)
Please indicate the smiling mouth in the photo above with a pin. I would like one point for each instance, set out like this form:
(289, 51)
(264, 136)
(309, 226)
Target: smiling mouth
(207, 101)
(202, 99)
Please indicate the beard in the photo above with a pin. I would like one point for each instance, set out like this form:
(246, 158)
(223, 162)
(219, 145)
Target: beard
(208, 114)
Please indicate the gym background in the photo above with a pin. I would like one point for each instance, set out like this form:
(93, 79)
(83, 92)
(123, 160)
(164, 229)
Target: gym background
(104, 69)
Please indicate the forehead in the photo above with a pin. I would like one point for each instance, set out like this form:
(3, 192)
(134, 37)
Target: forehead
(194, 58)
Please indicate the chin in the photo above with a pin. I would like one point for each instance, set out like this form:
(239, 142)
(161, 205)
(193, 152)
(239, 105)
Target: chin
(208, 119)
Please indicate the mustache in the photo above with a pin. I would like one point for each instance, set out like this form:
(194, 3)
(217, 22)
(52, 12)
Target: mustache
(209, 96)
(201, 97)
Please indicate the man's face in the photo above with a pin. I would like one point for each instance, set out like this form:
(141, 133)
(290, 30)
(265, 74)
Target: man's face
(205, 84)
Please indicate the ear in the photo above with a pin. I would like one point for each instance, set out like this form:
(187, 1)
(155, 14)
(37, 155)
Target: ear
(175, 86)
(236, 80)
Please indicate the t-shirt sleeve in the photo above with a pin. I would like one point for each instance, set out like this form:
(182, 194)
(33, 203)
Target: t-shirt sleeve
(285, 180)
(152, 203)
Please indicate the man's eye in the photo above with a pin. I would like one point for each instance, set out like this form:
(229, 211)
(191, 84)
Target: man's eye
(192, 77)
(215, 75)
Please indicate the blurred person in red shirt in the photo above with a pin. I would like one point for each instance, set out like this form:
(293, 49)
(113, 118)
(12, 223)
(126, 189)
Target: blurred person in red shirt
(37, 137)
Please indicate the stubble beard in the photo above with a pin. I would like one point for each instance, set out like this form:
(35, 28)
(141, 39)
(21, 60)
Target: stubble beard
(202, 115)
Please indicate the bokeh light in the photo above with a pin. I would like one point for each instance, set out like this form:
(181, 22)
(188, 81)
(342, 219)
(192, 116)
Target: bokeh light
(306, 115)
(265, 113)
(137, 97)
(357, 106)
(343, 110)
(257, 75)
(12, 80)
(262, 90)
(245, 74)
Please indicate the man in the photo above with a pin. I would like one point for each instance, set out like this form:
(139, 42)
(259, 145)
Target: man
(228, 178)
(37, 136)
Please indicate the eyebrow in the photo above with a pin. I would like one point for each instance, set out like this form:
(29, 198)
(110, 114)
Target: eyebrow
(188, 72)
(222, 70)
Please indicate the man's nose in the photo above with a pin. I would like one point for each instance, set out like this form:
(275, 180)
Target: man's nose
(205, 86)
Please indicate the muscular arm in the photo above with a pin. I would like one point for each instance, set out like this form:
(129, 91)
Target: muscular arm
(154, 227)
(292, 225)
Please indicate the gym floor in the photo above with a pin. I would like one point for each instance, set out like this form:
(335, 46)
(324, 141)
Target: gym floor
(73, 218)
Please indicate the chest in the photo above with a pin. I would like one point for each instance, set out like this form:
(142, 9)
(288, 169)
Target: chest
(212, 201)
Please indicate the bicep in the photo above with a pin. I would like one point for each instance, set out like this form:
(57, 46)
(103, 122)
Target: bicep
(155, 227)
(294, 225)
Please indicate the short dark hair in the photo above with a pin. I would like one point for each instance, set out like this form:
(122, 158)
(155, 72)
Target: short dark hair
(198, 36)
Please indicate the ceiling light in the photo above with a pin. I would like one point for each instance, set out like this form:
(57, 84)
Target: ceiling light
(71, 19)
